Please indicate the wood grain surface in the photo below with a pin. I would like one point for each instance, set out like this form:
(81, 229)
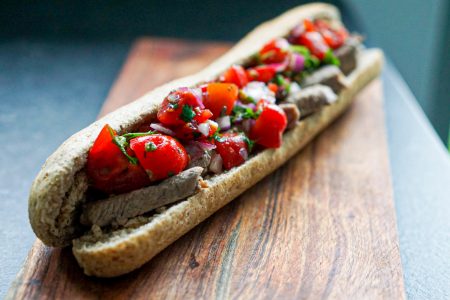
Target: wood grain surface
(322, 226)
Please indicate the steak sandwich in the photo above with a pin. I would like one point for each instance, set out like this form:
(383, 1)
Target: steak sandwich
(124, 188)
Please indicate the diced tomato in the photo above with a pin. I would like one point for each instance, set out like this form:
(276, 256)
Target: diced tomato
(201, 115)
(235, 74)
(309, 25)
(187, 131)
(263, 73)
(160, 155)
(220, 97)
(335, 38)
(269, 126)
(109, 170)
(176, 107)
(275, 51)
(273, 87)
(213, 127)
(233, 149)
(315, 43)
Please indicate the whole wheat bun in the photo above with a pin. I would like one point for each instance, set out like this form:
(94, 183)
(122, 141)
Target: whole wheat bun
(58, 192)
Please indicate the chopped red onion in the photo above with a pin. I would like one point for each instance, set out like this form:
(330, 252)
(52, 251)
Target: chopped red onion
(279, 67)
(204, 128)
(297, 31)
(252, 106)
(294, 88)
(247, 124)
(205, 146)
(243, 153)
(160, 128)
(282, 43)
(194, 150)
(296, 62)
(197, 92)
(199, 97)
(258, 90)
(224, 122)
(216, 164)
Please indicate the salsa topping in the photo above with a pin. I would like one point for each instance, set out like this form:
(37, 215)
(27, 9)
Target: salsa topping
(228, 119)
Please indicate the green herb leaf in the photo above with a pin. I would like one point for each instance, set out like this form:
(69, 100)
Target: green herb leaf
(217, 137)
(301, 50)
(132, 135)
(244, 113)
(282, 82)
(122, 143)
(311, 63)
(249, 142)
(150, 147)
(331, 59)
(187, 114)
(173, 105)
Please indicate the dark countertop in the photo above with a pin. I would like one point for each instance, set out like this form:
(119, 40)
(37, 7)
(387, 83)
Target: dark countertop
(53, 89)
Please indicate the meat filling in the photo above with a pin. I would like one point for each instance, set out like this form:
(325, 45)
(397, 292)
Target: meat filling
(347, 55)
(328, 75)
(292, 114)
(203, 160)
(311, 99)
(122, 207)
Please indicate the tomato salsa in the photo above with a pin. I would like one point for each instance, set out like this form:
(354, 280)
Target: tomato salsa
(232, 117)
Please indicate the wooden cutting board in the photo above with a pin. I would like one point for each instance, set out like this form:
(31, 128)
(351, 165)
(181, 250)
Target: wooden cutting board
(322, 226)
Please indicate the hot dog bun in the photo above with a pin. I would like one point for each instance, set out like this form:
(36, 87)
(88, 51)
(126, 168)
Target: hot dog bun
(57, 193)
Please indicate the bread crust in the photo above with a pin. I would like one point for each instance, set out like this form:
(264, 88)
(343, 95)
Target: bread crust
(58, 190)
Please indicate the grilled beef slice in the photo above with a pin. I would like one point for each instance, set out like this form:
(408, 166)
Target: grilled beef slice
(311, 99)
(119, 208)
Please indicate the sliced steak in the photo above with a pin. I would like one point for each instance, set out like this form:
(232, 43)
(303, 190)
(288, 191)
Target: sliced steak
(347, 54)
(311, 99)
(292, 113)
(328, 75)
(203, 160)
(122, 207)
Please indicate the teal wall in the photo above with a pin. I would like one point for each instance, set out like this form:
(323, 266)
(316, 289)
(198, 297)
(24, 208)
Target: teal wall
(416, 35)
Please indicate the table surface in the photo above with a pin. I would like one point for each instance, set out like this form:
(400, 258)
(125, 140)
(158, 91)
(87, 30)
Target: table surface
(53, 89)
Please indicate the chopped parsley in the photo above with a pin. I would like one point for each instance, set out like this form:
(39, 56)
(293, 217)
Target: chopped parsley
(150, 147)
(173, 105)
(300, 49)
(242, 112)
(132, 135)
(282, 82)
(245, 98)
(122, 143)
(311, 62)
(187, 113)
(331, 59)
(249, 142)
(216, 136)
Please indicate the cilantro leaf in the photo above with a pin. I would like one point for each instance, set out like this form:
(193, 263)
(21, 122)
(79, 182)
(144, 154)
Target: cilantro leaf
(122, 143)
(300, 49)
(187, 113)
(150, 147)
(331, 59)
(132, 135)
(249, 142)
(242, 112)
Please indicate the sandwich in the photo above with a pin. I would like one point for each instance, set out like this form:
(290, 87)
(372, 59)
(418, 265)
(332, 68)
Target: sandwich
(133, 182)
